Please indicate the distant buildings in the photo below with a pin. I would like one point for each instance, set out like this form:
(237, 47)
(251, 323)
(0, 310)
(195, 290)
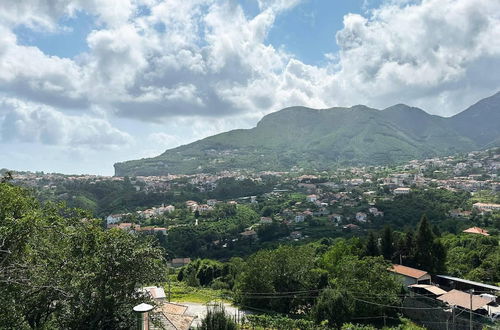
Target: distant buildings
(401, 191)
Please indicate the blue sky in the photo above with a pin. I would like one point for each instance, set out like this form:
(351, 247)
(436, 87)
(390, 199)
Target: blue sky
(85, 84)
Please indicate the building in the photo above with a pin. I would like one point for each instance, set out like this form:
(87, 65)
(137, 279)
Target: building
(427, 289)
(312, 198)
(477, 230)
(401, 191)
(295, 235)
(361, 216)
(411, 275)
(486, 207)
(179, 262)
(266, 220)
(465, 300)
(113, 218)
(450, 282)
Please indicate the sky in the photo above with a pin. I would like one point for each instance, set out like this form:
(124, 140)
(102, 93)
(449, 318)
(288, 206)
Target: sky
(87, 83)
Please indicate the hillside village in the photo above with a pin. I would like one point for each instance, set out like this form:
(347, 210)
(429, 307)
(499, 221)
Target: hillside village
(211, 216)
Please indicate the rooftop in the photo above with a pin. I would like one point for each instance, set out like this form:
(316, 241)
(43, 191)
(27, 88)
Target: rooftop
(408, 271)
(463, 299)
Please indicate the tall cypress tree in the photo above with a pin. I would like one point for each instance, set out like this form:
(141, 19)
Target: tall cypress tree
(371, 249)
(424, 242)
(387, 243)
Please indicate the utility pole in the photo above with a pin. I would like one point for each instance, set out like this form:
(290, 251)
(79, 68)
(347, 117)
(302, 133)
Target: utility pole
(453, 316)
(470, 313)
(169, 286)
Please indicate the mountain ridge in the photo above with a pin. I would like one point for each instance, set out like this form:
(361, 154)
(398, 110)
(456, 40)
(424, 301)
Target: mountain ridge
(325, 138)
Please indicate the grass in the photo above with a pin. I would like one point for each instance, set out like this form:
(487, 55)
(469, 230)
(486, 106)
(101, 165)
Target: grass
(181, 292)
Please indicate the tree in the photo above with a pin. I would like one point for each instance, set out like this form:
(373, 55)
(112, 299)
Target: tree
(334, 306)
(370, 284)
(387, 244)
(285, 269)
(217, 319)
(371, 246)
(61, 270)
(423, 245)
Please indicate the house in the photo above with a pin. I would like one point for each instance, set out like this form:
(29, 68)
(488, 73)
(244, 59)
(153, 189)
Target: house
(300, 217)
(295, 235)
(337, 218)
(113, 218)
(179, 262)
(401, 191)
(411, 275)
(251, 234)
(266, 220)
(312, 198)
(161, 230)
(375, 212)
(486, 207)
(351, 226)
(211, 202)
(476, 230)
(361, 216)
(460, 214)
(465, 300)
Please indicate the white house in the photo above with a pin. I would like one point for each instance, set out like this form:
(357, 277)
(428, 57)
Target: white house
(361, 216)
(300, 217)
(113, 218)
(312, 198)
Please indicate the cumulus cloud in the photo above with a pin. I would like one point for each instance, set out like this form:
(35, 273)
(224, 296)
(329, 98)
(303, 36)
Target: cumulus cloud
(195, 59)
(24, 122)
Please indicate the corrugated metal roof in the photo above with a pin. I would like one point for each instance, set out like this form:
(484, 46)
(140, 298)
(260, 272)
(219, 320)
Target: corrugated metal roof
(463, 299)
(456, 279)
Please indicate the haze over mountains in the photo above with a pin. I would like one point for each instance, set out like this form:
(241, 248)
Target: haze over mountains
(323, 139)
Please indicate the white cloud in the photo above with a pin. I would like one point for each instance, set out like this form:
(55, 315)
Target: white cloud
(184, 61)
(24, 122)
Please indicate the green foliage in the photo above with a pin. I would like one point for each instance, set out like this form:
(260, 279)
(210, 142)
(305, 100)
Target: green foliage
(371, 246)
(279, 322)
(407, 210)
(313, 139)
(278, 272)
(474, 257)
(334, 306)
(63, 271)
(369, 282)
(387, 243)
(429, 252)
(217, 319)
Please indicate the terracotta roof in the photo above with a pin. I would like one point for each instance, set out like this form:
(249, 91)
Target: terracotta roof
(477, 230)
(431, 288)
(462, 299)
(408, 271)
(171, 308)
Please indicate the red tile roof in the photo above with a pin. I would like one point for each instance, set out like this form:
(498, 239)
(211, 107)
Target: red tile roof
(408, 271)
(477, 230)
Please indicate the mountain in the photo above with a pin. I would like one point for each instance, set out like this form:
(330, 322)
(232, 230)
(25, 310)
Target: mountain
(323, 139)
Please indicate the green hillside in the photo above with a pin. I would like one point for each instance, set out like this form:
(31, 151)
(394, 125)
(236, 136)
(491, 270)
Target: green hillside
(324, 139)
